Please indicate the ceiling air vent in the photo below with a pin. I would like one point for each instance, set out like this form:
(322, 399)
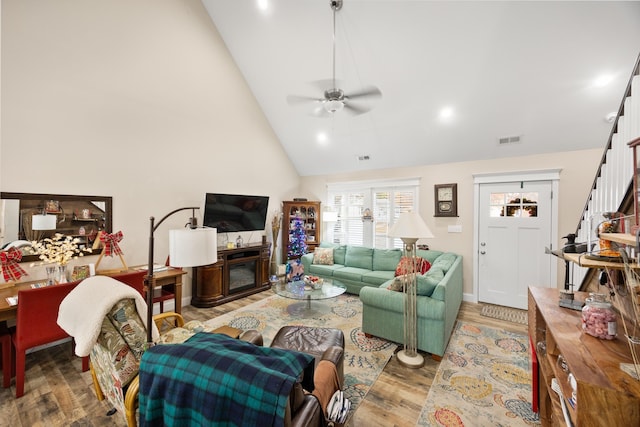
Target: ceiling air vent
(505, 140)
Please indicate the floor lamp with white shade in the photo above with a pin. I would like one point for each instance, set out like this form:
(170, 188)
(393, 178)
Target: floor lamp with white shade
(188, 247)
(409, 228)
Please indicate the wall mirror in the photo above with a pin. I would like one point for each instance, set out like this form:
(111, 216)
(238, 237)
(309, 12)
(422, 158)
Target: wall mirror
(82, 217)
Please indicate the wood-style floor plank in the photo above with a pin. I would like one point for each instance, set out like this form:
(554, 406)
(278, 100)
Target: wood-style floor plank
(58, 393)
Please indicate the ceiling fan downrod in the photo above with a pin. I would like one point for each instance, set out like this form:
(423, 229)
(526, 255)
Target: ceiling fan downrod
(334, 97)
(336, 5)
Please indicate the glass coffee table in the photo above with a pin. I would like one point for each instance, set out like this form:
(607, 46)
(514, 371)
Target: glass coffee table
(301, 290)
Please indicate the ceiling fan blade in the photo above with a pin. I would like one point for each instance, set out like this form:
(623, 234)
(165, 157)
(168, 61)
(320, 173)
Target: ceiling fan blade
(297, 99)
(367, 92)
(355, 109)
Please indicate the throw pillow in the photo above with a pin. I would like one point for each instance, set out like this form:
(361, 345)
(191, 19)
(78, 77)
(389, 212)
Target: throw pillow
(396, 284)
(422, 265)
(323, 256)
(428, 282)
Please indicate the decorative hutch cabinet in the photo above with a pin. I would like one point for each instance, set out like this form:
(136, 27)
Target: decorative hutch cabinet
(309, 214)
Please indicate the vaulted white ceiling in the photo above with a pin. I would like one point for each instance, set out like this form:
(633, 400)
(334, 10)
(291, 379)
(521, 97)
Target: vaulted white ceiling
(503, 69)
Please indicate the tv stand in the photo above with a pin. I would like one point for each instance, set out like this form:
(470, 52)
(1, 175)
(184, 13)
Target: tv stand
(239, 272)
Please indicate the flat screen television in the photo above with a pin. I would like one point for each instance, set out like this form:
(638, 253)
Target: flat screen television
(235, 212)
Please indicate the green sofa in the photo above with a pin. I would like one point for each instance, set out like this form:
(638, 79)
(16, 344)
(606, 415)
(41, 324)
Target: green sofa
(355, 266)
(369, 272)
(439, 298)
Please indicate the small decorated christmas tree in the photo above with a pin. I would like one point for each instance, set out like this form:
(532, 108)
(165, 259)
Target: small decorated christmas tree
(297, 239)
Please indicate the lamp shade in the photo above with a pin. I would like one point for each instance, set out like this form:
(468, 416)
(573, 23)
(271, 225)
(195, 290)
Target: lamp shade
(43, 222)
(193, 247)
(410, 226)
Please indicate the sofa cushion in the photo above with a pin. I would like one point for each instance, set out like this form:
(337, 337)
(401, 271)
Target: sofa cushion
(350, 273)
(430, 255)
(324, 270)
(325, 244)
(445, 261)
(377, 277)
(323, 256)
(386, 259)
(427, 282)
(359, 257)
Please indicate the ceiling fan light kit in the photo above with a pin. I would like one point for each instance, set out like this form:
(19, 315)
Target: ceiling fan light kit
(334, 99)
(333, 105)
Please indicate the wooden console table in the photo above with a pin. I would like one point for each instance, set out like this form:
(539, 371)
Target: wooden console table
(606, 396)
(170, 278)
(239, 272)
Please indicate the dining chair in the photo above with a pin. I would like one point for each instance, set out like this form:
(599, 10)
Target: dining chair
(36, 324)
(134, 279)
(5, 342)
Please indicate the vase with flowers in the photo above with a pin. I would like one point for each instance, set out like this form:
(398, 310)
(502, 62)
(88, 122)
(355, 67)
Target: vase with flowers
(59, 250)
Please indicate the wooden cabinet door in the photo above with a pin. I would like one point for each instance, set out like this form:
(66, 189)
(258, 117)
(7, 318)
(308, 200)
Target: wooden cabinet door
(207, 285)
(264, 267)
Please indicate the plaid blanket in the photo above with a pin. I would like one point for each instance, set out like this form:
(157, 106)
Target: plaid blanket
(212, 379)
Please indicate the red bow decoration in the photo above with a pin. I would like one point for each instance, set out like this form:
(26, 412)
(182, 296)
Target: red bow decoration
(110, 241)
(9, 260)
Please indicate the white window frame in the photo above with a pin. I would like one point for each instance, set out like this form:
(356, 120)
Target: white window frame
(369, 189)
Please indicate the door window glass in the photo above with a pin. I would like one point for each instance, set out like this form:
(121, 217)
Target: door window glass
(521, 205)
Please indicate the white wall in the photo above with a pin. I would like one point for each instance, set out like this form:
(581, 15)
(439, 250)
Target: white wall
(138, 100)
(578, 171)
(142, 102)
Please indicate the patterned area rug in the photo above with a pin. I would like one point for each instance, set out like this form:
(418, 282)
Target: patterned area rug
(484, 379)
(505, 313)
(364, 358)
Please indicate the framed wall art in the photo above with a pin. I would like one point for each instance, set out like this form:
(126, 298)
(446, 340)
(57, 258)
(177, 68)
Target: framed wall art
(446, 200)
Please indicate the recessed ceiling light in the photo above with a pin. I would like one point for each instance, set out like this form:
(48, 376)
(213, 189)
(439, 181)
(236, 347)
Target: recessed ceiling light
(446, 113)
(262, 4)
(322, 138)
(603, 80)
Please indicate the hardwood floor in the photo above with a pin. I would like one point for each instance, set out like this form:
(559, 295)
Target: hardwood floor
(57, 393)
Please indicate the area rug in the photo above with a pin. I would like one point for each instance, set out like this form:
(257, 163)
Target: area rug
(484, 379)
(505, 313)
(364, 358)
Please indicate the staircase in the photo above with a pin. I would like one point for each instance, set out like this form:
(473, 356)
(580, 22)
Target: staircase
(613, 185)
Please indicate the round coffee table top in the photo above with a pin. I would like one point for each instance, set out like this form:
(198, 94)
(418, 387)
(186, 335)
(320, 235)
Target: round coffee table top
(300, 289)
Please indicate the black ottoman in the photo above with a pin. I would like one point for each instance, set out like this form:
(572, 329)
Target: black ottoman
(322, 343)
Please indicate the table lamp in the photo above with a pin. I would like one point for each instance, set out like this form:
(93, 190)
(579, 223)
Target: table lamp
(43, 222)
(188, 247)
(409, 228)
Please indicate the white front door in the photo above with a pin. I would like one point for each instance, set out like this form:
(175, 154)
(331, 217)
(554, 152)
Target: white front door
(514, 226)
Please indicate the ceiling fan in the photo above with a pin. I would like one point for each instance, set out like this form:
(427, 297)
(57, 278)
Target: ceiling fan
(335, 99)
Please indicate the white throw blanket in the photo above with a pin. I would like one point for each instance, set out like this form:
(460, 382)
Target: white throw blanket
(81, 312)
